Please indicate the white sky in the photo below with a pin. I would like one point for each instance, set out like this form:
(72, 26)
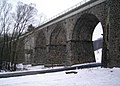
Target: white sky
(98, 31)
(49, 7)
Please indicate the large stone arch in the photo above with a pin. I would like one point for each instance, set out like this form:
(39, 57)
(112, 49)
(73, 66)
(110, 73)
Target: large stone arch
(58, 36)
(40, 48)
(57, 46)
(82, 50)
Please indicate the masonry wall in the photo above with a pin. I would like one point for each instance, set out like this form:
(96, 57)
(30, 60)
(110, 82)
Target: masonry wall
(56, 43)
(113, 27)
(20, 51)
(57, 49)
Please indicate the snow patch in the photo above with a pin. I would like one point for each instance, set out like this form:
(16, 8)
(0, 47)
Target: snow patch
(84, 77)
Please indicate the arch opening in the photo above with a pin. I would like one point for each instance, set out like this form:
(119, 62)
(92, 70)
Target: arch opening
(82, 39)
(97, 39)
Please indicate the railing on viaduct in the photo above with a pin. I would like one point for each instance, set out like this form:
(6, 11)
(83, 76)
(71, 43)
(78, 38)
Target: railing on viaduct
(97, 43)
(65, 11)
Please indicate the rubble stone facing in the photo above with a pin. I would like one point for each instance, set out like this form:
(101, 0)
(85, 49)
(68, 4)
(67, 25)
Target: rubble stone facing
(69, 41)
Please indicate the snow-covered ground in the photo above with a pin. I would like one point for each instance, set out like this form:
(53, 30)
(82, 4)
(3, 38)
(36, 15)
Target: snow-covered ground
(98, 55)
(84, 77)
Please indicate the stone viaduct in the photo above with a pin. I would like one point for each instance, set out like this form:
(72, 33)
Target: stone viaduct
(67, 39)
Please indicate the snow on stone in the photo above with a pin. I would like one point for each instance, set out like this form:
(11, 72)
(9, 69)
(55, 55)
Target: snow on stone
(84, 77)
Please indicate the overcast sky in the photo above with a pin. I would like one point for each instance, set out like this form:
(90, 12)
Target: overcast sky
(49, 7)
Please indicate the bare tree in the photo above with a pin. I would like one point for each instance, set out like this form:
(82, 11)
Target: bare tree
(40, 18)
(15, 24)
(5, 22)
(23, 17)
